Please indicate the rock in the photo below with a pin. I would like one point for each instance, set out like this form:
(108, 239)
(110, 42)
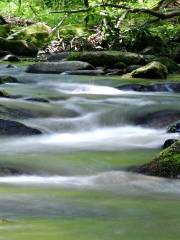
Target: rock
(107, 58)
(169, 142)
(135, 87)
(10, 171)
(4, 30)
(38, 34)
(9, 128)
(167, 164)
(158, 119)
(159, 87)
(174, 51)
(132, 68)
(3, 93)
(4, 53)
(18, 47)
(8, 79)
(85, 72)
(56, 57)
(152, 70)
(58, 67)
(10, 58)
(174, 128)
(43, 100)
(171, 65)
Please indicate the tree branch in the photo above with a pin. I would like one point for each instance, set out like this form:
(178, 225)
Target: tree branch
(148, 11)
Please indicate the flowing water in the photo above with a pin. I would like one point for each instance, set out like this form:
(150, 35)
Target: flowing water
(74, 184)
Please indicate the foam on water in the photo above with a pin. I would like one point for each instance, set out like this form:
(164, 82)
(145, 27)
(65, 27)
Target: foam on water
(88, 89)
(107, 138)
(117, 179)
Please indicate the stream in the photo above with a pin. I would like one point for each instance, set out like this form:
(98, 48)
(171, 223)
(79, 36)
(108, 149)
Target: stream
(74, 183)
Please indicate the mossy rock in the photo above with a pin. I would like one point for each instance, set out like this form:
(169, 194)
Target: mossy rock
(155, 70)
(167, 164)
(174, 128)
(38, 34)
(18, 47)
(171, 65)
(8, 79)
(4, 30)
(107, 58)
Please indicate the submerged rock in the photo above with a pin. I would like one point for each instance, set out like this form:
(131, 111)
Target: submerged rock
(85, 72)
(158, 119)
(159, 87)
(9, 128)
(18, 47)
(33, 99)
(151, 70)
(8, 79)
(9, 171)
(167, 164)
(174, 128)
(58, 67)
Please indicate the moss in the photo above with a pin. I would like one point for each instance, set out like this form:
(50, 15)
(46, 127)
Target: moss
(18, 47)
(38, 34)
(167, 164)
(107, 58)
(4, 30)
(151, 70)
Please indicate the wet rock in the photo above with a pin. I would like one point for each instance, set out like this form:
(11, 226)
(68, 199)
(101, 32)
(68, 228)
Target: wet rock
(38, 34)
(107, 58)
(58, 67)
(158, 119)
(18, 47)
(169, 142)
(4, 53)
(159, 87)
(167, 164)
(135, 87)
(174, 128)
(3, 93)
(58, 57)
(9, 128)
(85, 72)
(171, 65)
(10, 171)
(8, 79)
(152, 70)
(132, 68)
(10, 58)
(43, 100)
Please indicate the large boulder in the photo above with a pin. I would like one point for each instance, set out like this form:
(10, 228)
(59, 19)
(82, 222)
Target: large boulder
(107, 58)
(9, 128)
(58, 67)
(38, 34)
(151, 70)
(18, 47)
(167, 164)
